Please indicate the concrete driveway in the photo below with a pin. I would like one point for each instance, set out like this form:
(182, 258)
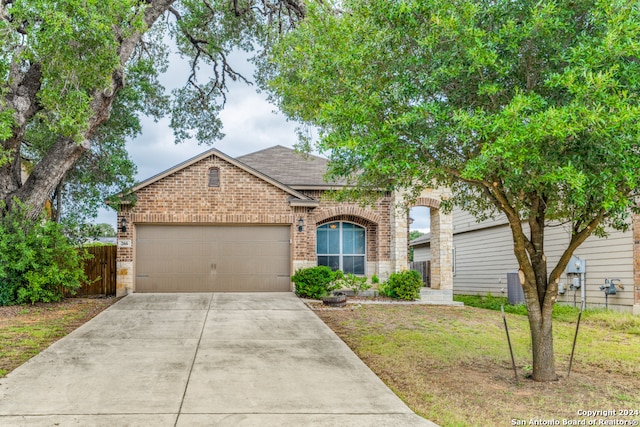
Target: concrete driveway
(201, 360)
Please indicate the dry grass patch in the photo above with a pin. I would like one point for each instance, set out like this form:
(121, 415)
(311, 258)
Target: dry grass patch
(452, 365)
(27, 330)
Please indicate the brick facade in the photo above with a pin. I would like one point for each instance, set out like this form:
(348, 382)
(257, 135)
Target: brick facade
(185, 197)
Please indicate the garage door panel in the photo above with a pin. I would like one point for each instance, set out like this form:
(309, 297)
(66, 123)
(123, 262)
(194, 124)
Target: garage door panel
(252, 249)
(162, 283)
(173, 258)
(253, 283)
(257, 265)
(175, 265)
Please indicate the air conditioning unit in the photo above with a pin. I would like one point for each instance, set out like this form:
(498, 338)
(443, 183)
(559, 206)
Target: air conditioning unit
(515, 294)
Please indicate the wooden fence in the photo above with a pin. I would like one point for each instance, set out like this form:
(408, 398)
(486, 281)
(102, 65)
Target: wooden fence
(424, 268)
(100, 271)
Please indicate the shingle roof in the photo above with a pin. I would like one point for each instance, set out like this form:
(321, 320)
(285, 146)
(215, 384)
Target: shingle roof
(425, 238)
(290, 167)
(281, 166)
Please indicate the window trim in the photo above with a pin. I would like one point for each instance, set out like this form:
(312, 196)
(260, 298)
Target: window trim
(341, 255)
(214, 172)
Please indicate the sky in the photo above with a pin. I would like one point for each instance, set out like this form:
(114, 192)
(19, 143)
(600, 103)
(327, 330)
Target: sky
(250, 123)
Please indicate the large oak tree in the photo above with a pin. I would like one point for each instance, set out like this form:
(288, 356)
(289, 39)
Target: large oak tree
(529, 109)
(65, 64)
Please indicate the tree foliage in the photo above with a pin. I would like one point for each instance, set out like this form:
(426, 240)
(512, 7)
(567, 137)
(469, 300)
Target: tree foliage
(524, 108)
(77, 74)
(38, 263)
(75, 78)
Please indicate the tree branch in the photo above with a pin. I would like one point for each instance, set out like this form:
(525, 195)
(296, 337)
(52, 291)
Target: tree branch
(577, 238)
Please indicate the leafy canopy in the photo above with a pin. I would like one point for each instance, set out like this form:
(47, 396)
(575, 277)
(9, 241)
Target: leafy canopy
(511, 103)
(526, 108)
(77, 49)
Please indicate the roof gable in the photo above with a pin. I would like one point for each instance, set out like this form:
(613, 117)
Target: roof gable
(213, 152)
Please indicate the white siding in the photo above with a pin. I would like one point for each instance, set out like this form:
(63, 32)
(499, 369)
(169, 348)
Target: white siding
(422, 253)
(484, 256)
(463, 221)
(483, 259)
(611, 258)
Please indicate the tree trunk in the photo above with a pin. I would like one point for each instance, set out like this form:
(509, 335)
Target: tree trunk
(540, 324)
(48, 173)
(539, 294)
(22, 97)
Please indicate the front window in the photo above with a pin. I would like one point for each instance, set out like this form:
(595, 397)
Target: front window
(341, 245)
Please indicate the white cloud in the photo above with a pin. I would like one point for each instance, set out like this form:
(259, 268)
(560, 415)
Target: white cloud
(249, 125)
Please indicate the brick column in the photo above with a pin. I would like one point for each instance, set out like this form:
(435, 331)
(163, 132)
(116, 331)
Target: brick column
(303, 248)
(124, 258)
(441, 249)
(399, 234)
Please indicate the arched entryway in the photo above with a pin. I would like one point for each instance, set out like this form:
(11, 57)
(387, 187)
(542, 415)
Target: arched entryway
(441, 239)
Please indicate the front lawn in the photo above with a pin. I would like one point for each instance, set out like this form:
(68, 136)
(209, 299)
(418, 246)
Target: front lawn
(26, 330)
(452, 364)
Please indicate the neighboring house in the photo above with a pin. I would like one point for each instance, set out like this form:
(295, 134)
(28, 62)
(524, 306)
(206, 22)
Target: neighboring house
(421, 248)
(217, 223)
(483, 255)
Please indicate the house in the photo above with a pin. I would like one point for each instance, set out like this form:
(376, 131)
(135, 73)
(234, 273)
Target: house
(217, 223)
(483, 255)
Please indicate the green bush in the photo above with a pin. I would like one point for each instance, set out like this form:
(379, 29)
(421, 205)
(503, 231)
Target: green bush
(355, 283)
(37, 262)
(404, 285)
(316, 282)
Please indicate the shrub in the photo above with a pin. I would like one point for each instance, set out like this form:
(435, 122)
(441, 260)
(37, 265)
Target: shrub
(355, 283)
(316, 282)
(37, 262)
(404, 285)
(375, 280)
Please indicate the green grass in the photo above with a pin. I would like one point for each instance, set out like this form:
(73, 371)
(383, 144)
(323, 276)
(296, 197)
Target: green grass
(612, 320)
(26, 331)
(452, 365)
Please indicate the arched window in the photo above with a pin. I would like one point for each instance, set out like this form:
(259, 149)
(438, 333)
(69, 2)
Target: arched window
(341, 245)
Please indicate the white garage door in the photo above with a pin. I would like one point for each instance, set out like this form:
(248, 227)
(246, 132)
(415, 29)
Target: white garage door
(171, 258)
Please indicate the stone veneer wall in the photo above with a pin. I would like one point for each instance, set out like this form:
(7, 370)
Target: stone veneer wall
(441, 245)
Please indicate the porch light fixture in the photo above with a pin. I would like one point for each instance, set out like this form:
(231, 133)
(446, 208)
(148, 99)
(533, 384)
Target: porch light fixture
(123, 225)
(300, 224)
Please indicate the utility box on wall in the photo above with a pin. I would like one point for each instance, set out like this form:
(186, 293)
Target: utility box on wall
(576, 266)
(515, 294)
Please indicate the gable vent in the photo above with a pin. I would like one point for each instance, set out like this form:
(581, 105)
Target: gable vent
(214, 177)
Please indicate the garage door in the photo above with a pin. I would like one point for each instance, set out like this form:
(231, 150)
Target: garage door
(172, 258)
